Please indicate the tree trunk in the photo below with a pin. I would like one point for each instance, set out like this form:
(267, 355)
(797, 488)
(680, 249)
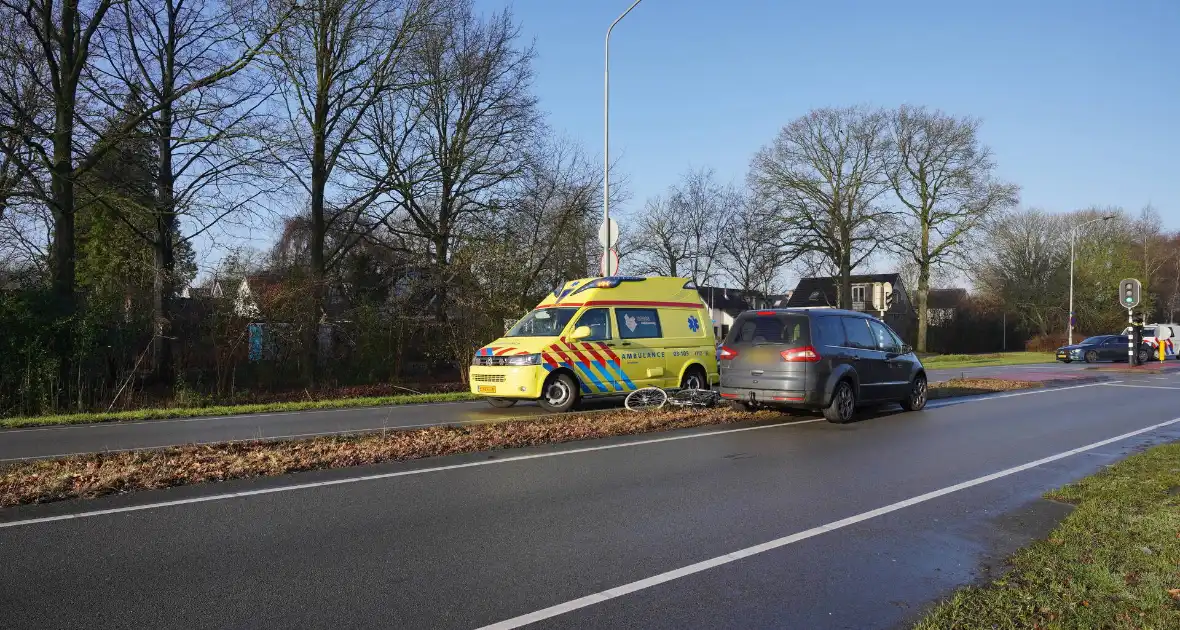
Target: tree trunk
(163, 286)
(318, 271)
(923, 298)
(844, 299)
(924, 287)
(62, 190)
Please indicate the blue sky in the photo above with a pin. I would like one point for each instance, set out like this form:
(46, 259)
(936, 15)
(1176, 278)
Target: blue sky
(1078, 99)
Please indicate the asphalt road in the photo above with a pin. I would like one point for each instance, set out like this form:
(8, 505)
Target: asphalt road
(866, 523)
(43, 442)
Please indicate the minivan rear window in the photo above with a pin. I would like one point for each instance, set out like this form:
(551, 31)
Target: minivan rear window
(785, 329)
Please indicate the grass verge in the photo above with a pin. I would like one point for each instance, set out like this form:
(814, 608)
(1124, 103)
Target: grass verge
(1112, 563)
(953, 361)
(232, 410)
(976, 386)
(99, 474)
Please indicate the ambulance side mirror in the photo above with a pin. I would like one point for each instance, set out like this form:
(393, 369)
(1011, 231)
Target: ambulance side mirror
(581, 332)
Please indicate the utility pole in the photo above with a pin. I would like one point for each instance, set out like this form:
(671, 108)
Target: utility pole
(606, 135)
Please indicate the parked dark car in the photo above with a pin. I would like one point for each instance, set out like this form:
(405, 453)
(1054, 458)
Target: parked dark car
(1100, 348)
(825, 360)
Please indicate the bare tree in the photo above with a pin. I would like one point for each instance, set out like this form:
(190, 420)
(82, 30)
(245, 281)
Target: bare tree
(681, 234)
(823, 175)
(1025, 266)
(460, 136)
(752, 253)
(944, 178)
(58, 63)
(547, 232)
(334, 65)
(182, 60)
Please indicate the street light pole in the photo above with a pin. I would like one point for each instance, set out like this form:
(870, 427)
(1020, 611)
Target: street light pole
(1073, 236)
(606, 138)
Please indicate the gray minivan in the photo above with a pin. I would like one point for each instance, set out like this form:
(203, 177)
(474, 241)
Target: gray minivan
(827, 360)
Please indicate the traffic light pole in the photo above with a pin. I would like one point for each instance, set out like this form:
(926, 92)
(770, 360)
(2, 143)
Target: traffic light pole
(1131, 338)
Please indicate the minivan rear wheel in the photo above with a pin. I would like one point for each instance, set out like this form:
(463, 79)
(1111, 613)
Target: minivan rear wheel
(843, 404)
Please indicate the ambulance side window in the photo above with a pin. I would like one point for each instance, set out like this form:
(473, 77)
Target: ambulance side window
(598, 319)
(638, 323)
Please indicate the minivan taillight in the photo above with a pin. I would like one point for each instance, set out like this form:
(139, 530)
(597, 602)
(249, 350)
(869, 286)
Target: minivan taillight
(727, 354)
(806, 354)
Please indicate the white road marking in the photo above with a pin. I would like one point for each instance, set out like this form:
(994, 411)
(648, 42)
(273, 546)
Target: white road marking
(390, 475)
(675, 574)
(947, 402)
(933, 404)
(420, 471)
(1121, 384)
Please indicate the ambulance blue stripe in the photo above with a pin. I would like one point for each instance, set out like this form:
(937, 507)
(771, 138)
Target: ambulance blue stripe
(585, 369)
(585, 389)
(616, 377)
(606, 376)
(622, 375)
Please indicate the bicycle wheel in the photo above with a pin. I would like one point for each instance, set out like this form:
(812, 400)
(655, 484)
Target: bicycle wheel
(646, 399)
(694, 398)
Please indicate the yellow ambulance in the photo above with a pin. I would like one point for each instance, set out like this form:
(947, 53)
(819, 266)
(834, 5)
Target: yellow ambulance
(601, 337)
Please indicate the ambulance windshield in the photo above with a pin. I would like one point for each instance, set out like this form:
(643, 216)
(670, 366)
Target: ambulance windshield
(543, 322)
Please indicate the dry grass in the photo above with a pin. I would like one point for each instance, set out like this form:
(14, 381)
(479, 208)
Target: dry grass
(976, 386)
(100, 474)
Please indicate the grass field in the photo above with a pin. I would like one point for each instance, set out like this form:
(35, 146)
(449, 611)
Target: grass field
(1114, 562)
(952, 361)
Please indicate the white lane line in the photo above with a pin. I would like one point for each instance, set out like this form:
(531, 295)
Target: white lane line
(947, 402)
(265, 414)
(934, 404)
(655, 580)
(390, 475)
(1121, 384)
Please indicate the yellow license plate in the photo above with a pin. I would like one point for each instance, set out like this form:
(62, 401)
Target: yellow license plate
(487, 389)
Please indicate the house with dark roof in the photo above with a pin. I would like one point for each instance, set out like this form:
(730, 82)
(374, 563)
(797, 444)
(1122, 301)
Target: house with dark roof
(726, 304)
(943, 304)
(881, 294)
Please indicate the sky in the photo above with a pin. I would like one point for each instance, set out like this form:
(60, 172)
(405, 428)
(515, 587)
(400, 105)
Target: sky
(1078, 100)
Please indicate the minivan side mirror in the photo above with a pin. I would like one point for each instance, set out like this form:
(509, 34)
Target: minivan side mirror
(905, 349)
(581, 332)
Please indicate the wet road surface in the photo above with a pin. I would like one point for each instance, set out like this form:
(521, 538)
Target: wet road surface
(867, 523)
(43, 442)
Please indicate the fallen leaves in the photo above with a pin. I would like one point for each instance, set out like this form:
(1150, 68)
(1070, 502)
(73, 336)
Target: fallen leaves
(99, 474)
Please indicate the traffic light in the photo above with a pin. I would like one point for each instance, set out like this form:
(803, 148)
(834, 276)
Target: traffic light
(1129, 291)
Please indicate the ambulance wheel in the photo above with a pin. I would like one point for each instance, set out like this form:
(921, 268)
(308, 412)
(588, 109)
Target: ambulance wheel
(1092, 356)
(560, 393)
(501, 403)
(694, 378)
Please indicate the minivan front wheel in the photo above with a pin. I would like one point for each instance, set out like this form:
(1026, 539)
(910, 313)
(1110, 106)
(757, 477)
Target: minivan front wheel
(919, 392)
(843, 404)
(560, 394)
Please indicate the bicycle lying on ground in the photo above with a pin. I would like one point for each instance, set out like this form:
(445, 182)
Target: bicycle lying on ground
(652, 398)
